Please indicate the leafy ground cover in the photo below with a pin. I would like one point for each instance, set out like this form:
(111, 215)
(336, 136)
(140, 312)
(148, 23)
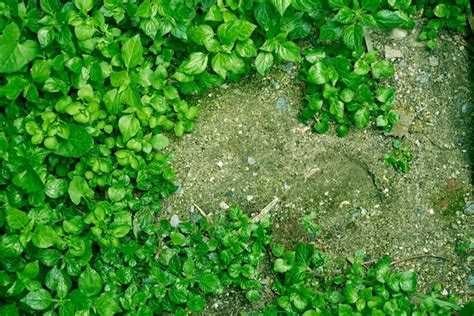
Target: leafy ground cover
(88, 94)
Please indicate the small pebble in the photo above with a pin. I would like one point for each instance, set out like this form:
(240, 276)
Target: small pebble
(223, 205)
(465, 108)
(422, 79)
(470, 280)
(251, 161)
(399, 34)
(276, 85)
(220, 164)
(469, 208)
(282, 103)
(249, 198)
(391, 53)
(288, 67)
(286, 187)
(433, 61)
(174, 221)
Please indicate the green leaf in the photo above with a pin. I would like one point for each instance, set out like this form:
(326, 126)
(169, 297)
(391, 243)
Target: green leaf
(263, 62)
(29, 180)
(361, 118)
(252, 295)
(370, 5)
(55, 188)
(318, 73)
(209, 282)
(351, 294)
(195, 64)
(352, 36)
(408, 281)
(196, 304)
(220, 63)
(13, 54)
(90, 282)
(106, 305)
(344, 16)
(389, 20)
(234, 30)
(280, 266)
(132, 52)
(16, 219)
(298, 301)
(177, 238)
(441, 10)
(281, 5)
(129, 126)
(178, 294)
(78, 188)
(38, 300)
(201, 34)
(40, 71)
(84, 5)
(78, 143)
(382, 69)
(289, 51)
(159, 142)
(246, 48)
(44, 236)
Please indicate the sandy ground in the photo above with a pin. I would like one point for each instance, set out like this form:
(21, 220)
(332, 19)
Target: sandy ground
(249, 147)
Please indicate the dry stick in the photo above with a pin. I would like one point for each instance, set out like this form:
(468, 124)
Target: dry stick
(207, 216)
(368, 41)
(407, 259)
(470, 18)
(264, 211)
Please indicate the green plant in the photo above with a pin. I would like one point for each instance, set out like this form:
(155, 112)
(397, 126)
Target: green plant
(90, 92)
(445, 14)
(400, 158)
(304, 289)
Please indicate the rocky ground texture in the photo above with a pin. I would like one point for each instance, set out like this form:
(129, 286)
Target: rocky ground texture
(249, 147)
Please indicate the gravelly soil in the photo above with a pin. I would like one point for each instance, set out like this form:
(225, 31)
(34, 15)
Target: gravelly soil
(247, 150)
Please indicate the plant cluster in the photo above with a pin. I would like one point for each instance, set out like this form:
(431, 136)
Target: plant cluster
(443, 14)
(304, 289)
(90, 91)
(400, 157)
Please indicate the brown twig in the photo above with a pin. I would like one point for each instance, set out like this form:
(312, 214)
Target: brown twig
(406, 259)
(207, 216)
(264, 211)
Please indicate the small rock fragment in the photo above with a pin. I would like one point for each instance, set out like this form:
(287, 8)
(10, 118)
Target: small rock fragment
(433, 61)
(470, 280)
(391, 53)
(286, 187)
(251, 161)
(422, 79)
(220, 164)
(223, 205)
(398, 34)
(276, 85)
(469, 208)
(282, 103)
(174, 221)
(465, 108)
(288, 67)
(249, 198)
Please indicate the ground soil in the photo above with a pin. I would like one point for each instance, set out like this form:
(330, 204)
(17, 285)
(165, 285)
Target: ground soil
(249, 147)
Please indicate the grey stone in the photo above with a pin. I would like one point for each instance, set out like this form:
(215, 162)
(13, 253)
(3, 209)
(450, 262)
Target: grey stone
(391, 53)
(470, 280)
(288, 67)
(276, 85)
(251, 161)
(469, 208)
(465, 108)
(399, 34)
(422, 79)
(433, 61)
(174, 221)
(282, 103)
